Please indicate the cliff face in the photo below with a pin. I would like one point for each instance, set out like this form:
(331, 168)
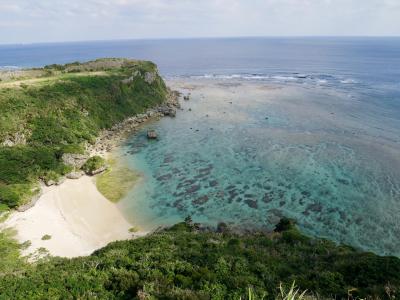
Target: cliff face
(58, 109)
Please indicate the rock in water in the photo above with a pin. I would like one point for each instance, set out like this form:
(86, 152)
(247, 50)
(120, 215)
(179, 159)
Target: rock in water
(152, 134)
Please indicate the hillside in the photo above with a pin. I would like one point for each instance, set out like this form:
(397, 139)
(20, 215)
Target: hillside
(184, 262)
(59, 109)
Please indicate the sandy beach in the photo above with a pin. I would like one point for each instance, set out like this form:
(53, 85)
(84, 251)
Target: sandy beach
(76, 216)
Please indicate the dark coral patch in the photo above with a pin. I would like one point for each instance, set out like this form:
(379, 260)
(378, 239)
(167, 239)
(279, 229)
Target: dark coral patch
(201, 200)
(266, 198)
(251, 203)
(213, 183)
(192, 189)
(164, 177)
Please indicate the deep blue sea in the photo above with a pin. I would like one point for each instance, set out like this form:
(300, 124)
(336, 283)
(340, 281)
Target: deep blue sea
(307, 128)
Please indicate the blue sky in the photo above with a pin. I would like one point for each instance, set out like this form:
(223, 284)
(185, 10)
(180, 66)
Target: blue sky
(26, 21)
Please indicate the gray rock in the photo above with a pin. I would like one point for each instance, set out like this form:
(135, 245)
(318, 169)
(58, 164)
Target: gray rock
(149, 77)
(127, 80)
(31, 203)
(50, 182)
(172, 112)
(60, 180)
(17, 139)
(75, 160)
(152, 134)
(167, 111)
(98, 171)
(74, 175)
(8, 143)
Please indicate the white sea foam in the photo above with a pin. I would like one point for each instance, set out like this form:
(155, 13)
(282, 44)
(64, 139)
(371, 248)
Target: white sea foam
(312, 79)
(9, 68)
(284, 78)
(348, 81)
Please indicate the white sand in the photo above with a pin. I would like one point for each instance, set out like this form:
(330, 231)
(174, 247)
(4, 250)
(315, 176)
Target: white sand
(76, 216)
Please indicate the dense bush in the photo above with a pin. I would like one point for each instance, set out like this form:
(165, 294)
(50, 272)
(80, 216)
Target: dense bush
(94, 163)
(62, 113)
(184, 263)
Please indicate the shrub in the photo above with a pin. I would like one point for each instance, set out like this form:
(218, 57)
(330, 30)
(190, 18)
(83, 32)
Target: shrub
(46, 237)
(92, 164)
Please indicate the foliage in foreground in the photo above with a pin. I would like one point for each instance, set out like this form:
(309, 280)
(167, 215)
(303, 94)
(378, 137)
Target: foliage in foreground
(44, 117)
(185, 263)
(9, 253)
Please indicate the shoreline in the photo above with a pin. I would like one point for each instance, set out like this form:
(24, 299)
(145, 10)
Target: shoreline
(113, 137)
(73, 218)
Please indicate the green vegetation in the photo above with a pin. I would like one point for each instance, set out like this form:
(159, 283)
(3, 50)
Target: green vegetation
(10, 260)
(116, 181)
(94, 163)
(184, 262)
(46, 237)
(58, 109)
(133, 229)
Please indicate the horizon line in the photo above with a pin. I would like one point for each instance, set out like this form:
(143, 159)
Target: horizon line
(196, 38)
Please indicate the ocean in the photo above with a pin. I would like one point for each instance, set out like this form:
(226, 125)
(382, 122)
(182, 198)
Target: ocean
(307, 128)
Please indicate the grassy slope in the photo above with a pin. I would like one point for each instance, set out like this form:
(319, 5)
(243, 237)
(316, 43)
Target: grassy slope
(182, 263)
(59, 110)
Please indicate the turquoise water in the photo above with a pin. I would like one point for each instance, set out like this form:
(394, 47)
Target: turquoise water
(249, 152)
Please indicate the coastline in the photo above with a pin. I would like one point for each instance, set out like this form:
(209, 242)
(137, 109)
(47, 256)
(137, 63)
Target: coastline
(73, 218)
(113, 137)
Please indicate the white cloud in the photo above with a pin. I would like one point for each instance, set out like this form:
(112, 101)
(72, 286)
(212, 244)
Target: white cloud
(57, 20)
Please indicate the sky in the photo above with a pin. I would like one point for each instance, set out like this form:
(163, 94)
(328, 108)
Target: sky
(28, 21)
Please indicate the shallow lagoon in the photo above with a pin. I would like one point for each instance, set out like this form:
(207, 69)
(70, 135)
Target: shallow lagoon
(248, 152)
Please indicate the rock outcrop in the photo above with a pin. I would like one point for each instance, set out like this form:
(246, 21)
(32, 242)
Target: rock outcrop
(15, 140)
(74, 175)
(74, 159)
(149, 77)
(97, 171)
